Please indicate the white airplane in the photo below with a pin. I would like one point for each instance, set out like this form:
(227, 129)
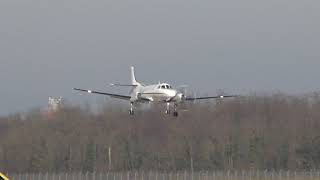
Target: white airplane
(157, 93)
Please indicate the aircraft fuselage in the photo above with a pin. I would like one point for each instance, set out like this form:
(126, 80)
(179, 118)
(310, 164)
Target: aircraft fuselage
(161, 92)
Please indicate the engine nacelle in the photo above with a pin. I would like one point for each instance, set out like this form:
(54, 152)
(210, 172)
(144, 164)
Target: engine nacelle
(179, 98)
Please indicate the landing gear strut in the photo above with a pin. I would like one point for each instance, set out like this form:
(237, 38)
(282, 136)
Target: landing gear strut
(131, 112)
(168, 109)
(175, 112)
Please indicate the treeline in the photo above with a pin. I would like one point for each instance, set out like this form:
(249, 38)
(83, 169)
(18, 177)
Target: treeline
(253, 132)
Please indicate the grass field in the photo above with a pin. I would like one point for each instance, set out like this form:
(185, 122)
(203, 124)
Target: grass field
(204, 175)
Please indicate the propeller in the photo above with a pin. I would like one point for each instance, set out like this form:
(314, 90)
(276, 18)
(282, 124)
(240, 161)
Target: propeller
(185, 92)
(183, 89)
(187, 96)
(182, 95)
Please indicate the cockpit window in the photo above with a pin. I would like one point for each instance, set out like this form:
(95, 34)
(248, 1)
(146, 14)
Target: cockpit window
(164, 86)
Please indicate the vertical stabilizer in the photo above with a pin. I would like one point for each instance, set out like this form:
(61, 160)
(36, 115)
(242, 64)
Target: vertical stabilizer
(133, 78)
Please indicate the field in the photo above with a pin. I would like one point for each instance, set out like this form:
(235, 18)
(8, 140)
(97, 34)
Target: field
(275, 132)
(204, 175)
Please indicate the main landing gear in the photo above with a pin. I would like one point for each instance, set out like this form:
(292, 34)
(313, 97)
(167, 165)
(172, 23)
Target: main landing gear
(168, 109)
(175, 112)
(131, 112)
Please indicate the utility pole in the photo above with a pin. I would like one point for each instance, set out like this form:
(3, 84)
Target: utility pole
(109, 158)
(191, 159)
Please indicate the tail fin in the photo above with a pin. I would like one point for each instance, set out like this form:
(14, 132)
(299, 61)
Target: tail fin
(133, 78)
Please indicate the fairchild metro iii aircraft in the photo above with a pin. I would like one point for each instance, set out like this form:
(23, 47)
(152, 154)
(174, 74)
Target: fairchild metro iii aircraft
(157, 93)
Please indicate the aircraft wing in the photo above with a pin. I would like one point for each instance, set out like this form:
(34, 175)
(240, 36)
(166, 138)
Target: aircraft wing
(209, 97)
(103, 93)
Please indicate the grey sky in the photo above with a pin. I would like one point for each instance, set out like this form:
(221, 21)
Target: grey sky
(48, 47)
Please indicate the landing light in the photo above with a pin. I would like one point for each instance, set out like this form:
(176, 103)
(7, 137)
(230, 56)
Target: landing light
(89, 91)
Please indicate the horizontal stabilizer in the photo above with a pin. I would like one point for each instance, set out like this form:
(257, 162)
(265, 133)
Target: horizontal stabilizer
(125, 85)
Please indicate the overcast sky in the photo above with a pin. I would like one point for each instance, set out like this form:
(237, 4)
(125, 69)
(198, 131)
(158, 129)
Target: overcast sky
(242, 46)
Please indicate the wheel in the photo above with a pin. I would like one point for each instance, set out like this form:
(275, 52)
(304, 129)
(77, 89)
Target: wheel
(175, 114)
(167, 112)
(131, 112)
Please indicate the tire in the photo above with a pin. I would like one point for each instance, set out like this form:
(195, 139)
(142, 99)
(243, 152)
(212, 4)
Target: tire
(131, 112)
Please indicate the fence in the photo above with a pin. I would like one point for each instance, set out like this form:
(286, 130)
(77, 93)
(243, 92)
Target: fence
(204, 175)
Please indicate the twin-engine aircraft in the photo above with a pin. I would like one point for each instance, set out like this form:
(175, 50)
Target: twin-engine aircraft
(157, 93)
